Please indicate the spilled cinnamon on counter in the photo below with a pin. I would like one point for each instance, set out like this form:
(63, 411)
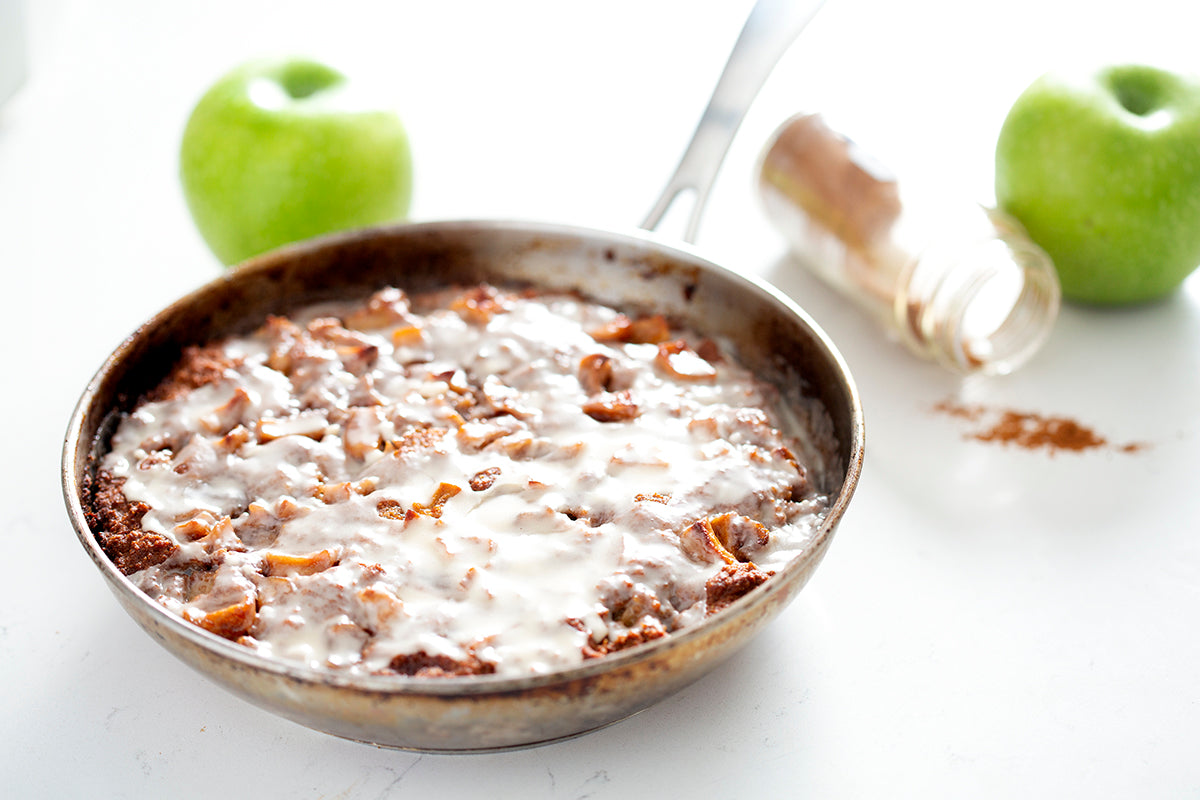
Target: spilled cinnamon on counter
(1030, 430)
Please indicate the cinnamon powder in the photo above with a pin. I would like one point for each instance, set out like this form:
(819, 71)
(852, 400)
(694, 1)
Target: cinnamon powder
(1030, 430)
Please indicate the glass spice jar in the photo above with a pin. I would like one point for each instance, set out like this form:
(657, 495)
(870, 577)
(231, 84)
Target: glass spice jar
(956, 282)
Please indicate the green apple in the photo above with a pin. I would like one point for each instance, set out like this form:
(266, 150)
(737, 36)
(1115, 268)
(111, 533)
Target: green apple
(281, 150)
(1103, 170)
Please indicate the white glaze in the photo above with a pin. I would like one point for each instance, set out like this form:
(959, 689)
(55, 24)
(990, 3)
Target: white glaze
(503, 569)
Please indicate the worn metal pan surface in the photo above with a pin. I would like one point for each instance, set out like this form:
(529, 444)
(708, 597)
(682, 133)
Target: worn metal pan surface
(770, 334)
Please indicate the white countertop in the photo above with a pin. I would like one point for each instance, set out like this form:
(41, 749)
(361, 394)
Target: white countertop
(989, 622)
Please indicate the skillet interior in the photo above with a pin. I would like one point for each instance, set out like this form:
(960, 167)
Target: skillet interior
(634, 272)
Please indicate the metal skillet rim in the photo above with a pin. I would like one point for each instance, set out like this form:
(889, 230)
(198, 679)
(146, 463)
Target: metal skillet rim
(472, 684)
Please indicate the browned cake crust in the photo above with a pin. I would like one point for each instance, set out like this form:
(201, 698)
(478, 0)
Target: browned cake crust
(117, 523)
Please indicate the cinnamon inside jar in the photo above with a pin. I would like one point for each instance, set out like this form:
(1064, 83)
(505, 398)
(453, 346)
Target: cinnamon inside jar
(956, 282)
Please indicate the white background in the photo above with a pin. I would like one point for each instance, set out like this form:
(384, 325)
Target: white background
(990, 622)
